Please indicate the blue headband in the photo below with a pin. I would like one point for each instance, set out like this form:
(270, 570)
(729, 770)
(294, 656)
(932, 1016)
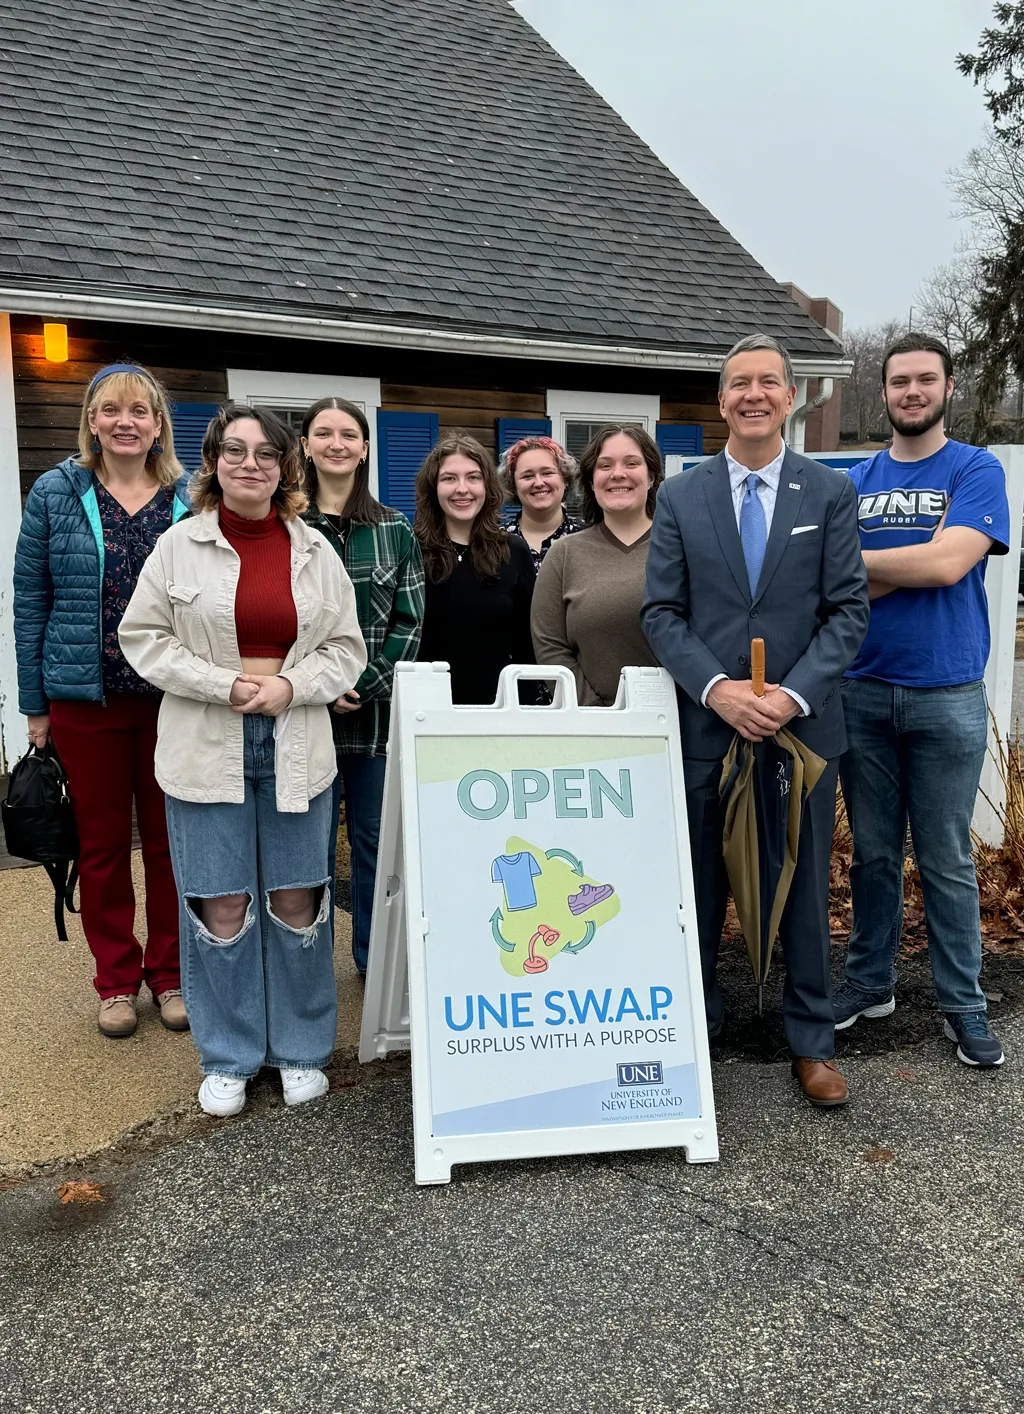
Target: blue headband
(119, 368)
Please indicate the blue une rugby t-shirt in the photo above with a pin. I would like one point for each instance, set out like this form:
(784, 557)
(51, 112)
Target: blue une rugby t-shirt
(929, 637)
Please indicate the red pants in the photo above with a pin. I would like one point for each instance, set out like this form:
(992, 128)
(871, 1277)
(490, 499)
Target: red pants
(107, 750)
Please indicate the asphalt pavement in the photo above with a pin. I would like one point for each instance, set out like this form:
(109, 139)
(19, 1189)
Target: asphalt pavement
(867, 1259)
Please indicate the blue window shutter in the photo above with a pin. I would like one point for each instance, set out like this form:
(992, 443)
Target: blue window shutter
(403, 441)
(678, 439)
(190, 422)
(510, 429)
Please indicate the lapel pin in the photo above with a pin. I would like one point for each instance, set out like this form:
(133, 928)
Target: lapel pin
(794, 486)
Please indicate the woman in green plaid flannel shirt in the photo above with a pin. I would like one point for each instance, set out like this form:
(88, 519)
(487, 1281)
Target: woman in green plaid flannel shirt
(383, 560)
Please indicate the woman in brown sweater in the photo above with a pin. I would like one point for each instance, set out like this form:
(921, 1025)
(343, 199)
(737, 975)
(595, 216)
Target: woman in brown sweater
(586, 606)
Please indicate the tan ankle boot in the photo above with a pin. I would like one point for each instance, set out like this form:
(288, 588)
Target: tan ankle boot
(172, 1009)
(117, 1016)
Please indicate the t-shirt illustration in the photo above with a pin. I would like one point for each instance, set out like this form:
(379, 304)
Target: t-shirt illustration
(517, 873)
(930, 637)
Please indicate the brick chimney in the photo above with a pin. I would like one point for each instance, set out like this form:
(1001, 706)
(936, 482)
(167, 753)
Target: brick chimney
(822, 432)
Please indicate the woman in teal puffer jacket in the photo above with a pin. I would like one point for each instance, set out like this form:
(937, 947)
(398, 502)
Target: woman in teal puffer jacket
(87, 529)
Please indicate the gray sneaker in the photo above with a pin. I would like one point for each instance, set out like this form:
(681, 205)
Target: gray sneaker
(977, 1043)
(849, 1006)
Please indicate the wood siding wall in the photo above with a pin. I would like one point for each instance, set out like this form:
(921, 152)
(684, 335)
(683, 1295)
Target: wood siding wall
(465, 392)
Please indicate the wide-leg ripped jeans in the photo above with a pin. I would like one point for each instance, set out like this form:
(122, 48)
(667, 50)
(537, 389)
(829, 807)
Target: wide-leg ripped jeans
(266, 996)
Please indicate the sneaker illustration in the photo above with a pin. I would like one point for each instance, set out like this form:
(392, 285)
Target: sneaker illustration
(589, 896)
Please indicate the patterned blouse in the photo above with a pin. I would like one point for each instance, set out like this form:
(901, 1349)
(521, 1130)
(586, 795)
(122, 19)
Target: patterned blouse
(127, 542)
(569, 525)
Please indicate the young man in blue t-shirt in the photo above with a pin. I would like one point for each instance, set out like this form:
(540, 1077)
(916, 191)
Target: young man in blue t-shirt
(931, 510)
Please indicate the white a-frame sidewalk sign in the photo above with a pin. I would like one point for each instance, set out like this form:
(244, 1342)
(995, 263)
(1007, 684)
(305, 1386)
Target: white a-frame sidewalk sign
(534, 934)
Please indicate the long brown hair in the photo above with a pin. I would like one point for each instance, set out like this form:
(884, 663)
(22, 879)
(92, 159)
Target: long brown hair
(362, 506)
(646, 446)
(488, 543)
(290, 496)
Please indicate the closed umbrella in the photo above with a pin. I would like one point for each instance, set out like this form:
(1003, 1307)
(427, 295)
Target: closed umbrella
(764, 786)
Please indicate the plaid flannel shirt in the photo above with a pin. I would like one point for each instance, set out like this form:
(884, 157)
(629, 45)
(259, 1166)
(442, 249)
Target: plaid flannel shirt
(385, 566)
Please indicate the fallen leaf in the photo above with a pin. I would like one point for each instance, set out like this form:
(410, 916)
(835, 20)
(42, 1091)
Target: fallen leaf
(906, 1075)
(78, 1191)
(878, 1154)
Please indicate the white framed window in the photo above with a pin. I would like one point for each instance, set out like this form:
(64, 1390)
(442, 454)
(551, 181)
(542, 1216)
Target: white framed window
(575, 417)
(290, 394)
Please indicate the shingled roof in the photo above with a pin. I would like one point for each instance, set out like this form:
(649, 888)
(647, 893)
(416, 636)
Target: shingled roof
(429, 164)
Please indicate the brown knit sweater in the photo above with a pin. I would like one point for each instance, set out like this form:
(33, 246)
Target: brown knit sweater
(586, 610)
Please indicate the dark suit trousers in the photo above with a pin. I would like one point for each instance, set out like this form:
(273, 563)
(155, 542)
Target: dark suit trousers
(807, 995)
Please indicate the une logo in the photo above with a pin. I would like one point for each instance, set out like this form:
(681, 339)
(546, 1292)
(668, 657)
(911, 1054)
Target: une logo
(640, 1073)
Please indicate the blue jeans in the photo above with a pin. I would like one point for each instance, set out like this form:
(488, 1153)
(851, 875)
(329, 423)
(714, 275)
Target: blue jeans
(266, 996)
(364, 799)
(915, 753)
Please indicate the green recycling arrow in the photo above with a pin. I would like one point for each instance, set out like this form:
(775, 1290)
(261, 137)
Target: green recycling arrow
(570, 859)
(503, 943)
(587, 937)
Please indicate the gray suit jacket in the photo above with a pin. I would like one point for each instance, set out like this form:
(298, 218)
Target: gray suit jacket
(810, 606)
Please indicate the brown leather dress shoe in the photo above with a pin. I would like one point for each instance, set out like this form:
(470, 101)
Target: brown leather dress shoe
(821, 1082)
(117, 1016)
(172, 1009)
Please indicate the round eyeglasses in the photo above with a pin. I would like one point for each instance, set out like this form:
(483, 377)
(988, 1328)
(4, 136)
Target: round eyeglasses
(234, 453)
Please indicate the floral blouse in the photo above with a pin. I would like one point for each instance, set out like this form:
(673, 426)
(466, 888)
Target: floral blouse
(127, 542)
(569, 525)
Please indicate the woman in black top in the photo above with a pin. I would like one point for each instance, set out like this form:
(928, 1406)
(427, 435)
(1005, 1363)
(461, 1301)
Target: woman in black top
(479, 579)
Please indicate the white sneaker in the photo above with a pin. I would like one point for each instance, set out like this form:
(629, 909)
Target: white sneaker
(222, 1094)
(302, 1085)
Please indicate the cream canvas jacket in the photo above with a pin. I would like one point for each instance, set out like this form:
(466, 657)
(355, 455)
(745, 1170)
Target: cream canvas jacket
(179, 634)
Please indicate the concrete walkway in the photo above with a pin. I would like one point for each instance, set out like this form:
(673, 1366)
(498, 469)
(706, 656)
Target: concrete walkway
(65, 1090)
(865, 1260)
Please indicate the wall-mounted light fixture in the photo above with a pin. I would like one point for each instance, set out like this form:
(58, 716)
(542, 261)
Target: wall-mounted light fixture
(55, 342)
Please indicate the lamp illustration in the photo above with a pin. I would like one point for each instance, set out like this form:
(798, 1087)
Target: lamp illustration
(549, 937)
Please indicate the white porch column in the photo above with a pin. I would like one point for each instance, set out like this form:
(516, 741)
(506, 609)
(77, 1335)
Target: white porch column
(1001, 580)
(12, 725)
(797, 426)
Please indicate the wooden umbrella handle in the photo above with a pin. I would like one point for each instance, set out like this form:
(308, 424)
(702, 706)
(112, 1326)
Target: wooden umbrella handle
(757, 665)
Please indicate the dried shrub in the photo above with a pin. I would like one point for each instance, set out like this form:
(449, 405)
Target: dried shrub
(1000, 871)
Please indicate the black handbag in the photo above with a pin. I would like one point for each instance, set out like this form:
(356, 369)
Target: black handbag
(39, 825)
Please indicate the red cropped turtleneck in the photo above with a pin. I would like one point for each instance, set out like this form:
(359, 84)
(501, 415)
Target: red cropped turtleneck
(265, 618)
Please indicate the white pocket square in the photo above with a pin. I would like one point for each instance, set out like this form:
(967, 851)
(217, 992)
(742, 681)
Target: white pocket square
(802, 529)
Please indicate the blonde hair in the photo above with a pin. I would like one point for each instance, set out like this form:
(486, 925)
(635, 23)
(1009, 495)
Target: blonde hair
(165, 465)
(289, 498)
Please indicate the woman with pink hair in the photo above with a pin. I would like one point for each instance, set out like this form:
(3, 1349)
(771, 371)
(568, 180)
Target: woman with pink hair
(537, 473)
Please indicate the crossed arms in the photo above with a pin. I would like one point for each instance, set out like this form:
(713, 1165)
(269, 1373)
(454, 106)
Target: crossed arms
(938, 563)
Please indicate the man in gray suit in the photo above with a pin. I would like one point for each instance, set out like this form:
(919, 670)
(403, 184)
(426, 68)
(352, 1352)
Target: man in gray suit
(759, 542)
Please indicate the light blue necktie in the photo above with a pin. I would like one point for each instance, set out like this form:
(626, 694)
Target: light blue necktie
(753, 531)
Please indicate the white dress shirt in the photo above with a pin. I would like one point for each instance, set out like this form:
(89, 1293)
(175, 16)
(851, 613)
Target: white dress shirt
(767, 491)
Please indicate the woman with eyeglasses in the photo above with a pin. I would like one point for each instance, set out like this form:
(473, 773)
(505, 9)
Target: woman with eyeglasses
(88, 528)
(383, 560)
(245, 618)
(538, 473)
(479, 578)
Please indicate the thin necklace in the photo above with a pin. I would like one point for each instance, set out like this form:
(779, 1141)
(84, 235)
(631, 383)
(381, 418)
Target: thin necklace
(460, 550)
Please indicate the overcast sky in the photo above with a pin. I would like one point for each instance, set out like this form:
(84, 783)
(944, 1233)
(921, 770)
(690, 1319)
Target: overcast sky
(818, 132)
